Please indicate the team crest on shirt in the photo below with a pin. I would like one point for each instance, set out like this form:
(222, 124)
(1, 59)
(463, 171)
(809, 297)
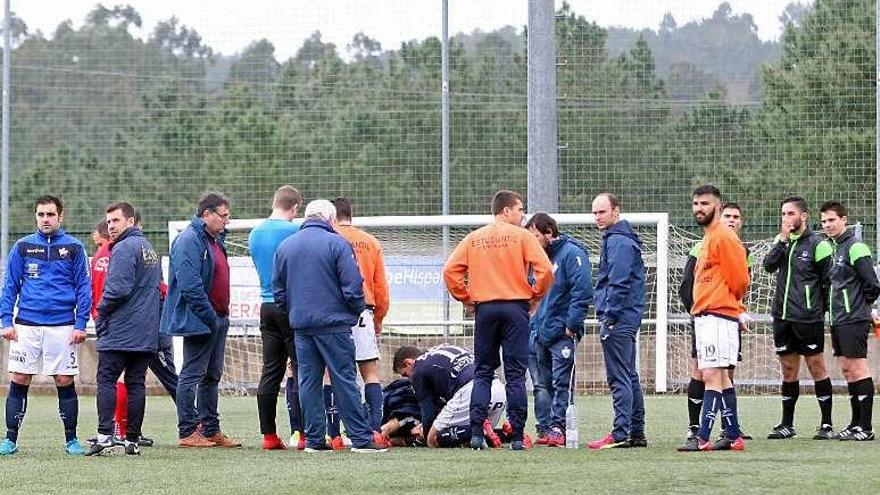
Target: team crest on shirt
(63, 252)
(566, 352)
(804, 256)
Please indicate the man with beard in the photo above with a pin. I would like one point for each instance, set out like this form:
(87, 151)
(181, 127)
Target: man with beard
(720, 282)
(731, 216)
(800, 259)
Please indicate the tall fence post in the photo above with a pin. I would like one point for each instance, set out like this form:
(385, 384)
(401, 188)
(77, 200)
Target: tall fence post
(543, 176)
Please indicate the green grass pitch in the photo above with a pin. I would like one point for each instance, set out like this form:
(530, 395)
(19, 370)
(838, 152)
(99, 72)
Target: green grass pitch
(797, 466)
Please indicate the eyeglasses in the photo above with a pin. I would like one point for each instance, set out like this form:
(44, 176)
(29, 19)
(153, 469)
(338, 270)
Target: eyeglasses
(224, 216)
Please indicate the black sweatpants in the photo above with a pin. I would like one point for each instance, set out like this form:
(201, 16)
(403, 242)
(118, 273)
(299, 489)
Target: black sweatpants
(277, 347)
(111, 364)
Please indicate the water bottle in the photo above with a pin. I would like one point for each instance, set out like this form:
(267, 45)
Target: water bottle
(571, 426)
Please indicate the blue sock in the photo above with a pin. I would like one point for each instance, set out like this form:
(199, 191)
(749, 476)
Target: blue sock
(16, 405)
(68, 409)
(711, 404)
(729, 414)
(293, 410)
(373, 394)
(332, 412)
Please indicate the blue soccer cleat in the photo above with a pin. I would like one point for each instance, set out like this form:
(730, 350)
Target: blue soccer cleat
(73, 447)
(8, 447)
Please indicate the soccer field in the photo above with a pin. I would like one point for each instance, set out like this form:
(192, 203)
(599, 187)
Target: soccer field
(796, 466)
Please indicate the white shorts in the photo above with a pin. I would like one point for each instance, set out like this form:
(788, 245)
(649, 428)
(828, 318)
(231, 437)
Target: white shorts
(717, 341)
(48, 348)
(364, 335)
(457, 412)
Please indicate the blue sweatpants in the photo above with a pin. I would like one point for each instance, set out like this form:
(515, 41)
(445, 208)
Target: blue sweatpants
(540, 392)
(501, 325)
(335, 351)
(619, 348)
(555, 363)
(198, 385)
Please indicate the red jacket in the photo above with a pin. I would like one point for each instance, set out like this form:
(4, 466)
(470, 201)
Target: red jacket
(100, 264)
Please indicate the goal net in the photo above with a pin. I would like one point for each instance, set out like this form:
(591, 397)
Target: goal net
(423, 315)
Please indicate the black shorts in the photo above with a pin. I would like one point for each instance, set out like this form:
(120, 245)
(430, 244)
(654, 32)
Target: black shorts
(739, 355)
(806, 339)
(851, 340)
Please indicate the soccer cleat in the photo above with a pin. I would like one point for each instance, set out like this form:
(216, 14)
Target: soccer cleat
(725, 443)
(781, 432)
(324, 447)
(860, 435)
(744, 435)
(507, 428)
(382, 440)
(131, 448)
(145, 441)
(555, 438)
(489, 434)
(370, 448)
(692, 431)
(695, 444)
(478, 442)
(73, 447)
(338, 443)
(847, 433)
(543, 437)
(297, 440)
(608, 442)
(638, 441)
(825, 432)
(8, 447)
(104, 449)
(524, 444)
(272, 442)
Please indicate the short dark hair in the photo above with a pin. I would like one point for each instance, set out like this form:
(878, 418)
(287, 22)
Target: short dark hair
(403, 353)
(210, 201)
(137, 217)
(834, 206)
(126, 208)
(798, 201)
(343, 208)
(732, 205)
(47, 199)
(504, 199)
(543, 223)
(101, 229)
(707, 189)
(613, 200)
(286, 197)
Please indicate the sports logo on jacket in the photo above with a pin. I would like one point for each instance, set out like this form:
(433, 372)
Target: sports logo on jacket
(63, 252)
(33, 270)
(149, 256)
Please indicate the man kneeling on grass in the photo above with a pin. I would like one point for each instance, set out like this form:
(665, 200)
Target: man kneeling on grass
(443, 378)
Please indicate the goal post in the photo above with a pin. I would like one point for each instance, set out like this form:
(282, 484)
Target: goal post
(415, 249)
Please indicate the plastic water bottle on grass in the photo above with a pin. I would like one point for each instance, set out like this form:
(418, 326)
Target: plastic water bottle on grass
(571, 427)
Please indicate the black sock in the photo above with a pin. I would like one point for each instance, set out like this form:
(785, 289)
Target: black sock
(790, 393)
(68, 409)
(823, 395)
(454, 436)
(865, 395)
(854, 404)
(696, 389)
(16, 405)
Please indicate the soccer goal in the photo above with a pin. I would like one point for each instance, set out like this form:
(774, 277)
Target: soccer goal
(422, 313)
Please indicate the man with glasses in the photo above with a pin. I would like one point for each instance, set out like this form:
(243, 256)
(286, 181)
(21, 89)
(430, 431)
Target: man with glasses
(197, 309)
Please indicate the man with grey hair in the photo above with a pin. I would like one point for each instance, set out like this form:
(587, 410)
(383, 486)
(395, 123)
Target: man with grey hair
(317, 282)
